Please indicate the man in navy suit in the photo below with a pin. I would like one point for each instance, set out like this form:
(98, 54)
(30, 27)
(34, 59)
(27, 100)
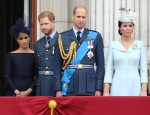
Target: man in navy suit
(44, 52)
(79, 49)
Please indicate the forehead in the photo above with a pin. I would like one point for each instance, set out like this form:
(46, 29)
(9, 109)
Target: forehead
(81, 11)
(44, 20)
(127, 23)
(21, 34)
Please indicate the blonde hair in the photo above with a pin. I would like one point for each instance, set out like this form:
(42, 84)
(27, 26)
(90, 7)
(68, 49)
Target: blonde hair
(79, 6)
(48, 14)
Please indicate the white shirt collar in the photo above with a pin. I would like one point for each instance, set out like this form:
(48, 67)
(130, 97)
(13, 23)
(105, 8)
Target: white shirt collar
(75, 31)
(52, 35)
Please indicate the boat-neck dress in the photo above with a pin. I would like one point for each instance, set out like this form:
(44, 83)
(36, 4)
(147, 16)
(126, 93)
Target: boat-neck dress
(20, 72)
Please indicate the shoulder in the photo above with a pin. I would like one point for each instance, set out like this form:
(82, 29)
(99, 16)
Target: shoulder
(38, 41)
(15, 51)
(91, 30)
(31, 51)
(41, 39)
(115, 44)
(138, 44)
(9, 53)
(138, 41)
(66, 32)
(94, 31)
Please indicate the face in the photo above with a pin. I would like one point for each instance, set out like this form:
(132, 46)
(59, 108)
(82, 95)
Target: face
(23, 40)
(126, 29)
(47, 27)
(79, 18)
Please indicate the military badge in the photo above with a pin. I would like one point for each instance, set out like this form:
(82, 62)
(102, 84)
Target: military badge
(90, 54)
(64, 85)
(134, 46)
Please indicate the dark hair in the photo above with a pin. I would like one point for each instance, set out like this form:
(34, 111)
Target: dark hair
(18, 28)
(119, 25)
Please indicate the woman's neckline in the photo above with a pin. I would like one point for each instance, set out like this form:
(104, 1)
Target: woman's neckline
(23, 51)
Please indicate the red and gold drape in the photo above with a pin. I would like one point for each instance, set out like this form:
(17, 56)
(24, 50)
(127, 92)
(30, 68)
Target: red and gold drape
(75, 105)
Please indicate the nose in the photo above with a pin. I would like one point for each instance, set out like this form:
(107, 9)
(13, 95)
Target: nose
(81, 19)
(24, 40)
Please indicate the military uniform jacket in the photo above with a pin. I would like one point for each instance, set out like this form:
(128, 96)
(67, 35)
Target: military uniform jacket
(83, 81)
(45, 58)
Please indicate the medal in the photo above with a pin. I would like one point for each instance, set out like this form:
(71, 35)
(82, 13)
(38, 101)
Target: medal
(64, 85)
(47, 45)
(90, 54)
(90, 46)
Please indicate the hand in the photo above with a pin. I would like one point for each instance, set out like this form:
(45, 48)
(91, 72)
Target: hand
(59, 94)
(98, 93)
(106, 94)
(26, 93)
(143, 93)
(17, 92)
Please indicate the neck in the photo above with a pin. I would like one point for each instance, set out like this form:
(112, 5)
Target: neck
(24, 49)
(126, 39)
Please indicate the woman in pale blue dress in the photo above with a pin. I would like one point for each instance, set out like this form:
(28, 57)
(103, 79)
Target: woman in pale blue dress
(126, 68)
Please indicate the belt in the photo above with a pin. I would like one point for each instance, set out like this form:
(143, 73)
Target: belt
(46, 72)
(79, 66)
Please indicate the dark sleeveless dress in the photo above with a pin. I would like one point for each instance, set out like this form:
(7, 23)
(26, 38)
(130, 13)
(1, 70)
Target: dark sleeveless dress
(20, 72)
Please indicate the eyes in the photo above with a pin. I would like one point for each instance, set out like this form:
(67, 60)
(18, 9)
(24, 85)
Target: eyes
(130, 25)
(81, 17)
(44, 24)
(21, 38)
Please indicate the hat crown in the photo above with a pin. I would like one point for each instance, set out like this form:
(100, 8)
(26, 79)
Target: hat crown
(127, 15)
(19, 27)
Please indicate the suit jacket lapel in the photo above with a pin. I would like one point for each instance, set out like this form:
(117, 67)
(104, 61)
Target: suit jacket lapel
(53, 40)
(84, 35)
(72, 35)
(43, 41)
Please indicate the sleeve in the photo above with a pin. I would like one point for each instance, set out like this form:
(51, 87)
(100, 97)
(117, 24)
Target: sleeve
(143, 65)
(109, 65)
(8, 71)
(32, 86)
(100, 62)
(58, 68)
(36, 60)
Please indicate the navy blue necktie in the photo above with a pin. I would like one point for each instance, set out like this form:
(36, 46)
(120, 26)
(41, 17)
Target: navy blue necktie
(48, 39)
(78, 35)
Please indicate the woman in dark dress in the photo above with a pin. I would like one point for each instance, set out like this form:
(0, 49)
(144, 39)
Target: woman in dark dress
(20, 64)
